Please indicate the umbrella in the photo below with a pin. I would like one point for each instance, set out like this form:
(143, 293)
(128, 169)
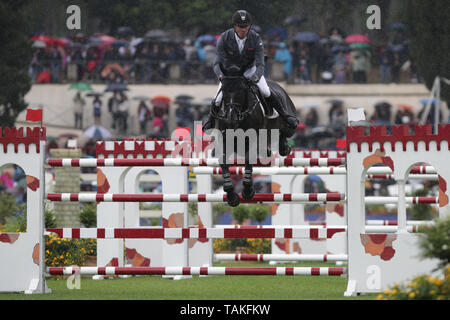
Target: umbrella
(277, 31)
(44, 76)
(116, 87)
(124, 31)
(206, 38)
(81, 86)
(161, 101)
(405, 107)
(396, 48)
(96, 132)
(257, 29)
(119, 43)
(61, 42)
(112, 67)
(397, 26)
(68, 135)
(425, 101)
(94, 94)
(338, 48)
(359, 45)
(157, 33)
(43, 38)
(136, 42)
(38, 44)
(306, 36)
(183, 97)
(357, 38)
(335, 102)
(142, 98)
(294, 20)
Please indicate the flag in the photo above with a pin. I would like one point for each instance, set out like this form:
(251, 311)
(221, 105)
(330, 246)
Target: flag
(34, 115)
(341, 143)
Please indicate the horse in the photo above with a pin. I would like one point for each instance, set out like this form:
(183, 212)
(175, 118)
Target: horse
(242, 109)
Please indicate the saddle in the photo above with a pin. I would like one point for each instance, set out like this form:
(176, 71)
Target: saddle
(267, 108)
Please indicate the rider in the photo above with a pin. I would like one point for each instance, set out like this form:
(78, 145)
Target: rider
(243, 47)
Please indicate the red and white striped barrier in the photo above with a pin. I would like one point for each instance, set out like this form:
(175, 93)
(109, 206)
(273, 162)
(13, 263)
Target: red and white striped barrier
(192, 162)
(394, 223)
(393, 200)
(262, 271)
(417, 172)
(300, 232)
(261, 197)
(279, 257)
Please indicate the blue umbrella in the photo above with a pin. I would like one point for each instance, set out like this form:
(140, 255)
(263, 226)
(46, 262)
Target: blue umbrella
(116, 87)
(277, 31)
(339, 48)
(425, 101)
(119, 43)
(306, 36)
(396, 48)
(206, 38)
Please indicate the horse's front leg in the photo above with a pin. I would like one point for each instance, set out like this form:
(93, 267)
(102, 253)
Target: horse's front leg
(232, 197)
(248, 191)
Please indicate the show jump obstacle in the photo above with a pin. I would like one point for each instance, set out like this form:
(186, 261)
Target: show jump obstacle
(376, 255)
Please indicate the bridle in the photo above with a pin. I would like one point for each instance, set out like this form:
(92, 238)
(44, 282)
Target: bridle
(237, 107)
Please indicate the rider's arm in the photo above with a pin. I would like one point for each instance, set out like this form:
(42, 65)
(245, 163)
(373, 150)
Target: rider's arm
(259, 57)
(219, 56)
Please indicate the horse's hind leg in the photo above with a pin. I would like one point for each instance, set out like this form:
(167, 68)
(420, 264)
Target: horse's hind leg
(248, 191)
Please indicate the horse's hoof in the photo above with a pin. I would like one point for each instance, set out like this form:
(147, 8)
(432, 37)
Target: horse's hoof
(233, 199)
(285, 150)
(248, 192)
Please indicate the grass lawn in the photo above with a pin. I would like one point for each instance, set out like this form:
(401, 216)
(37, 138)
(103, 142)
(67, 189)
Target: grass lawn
(202, 288)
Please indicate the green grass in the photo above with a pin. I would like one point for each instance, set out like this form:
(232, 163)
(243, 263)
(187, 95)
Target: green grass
(202, 288)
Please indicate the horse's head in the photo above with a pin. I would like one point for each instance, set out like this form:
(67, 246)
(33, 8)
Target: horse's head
(234, 89)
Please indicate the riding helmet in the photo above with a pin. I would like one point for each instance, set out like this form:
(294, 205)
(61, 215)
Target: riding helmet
(241, 18)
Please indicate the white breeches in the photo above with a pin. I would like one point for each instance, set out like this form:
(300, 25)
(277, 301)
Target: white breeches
(262, 85)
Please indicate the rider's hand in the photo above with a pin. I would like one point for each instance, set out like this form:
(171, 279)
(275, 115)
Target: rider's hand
(254, 79)
(220, 77)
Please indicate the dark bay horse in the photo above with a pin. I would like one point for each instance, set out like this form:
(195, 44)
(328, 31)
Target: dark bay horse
(242, 109)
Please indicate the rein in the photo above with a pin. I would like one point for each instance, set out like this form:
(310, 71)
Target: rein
(241, 115)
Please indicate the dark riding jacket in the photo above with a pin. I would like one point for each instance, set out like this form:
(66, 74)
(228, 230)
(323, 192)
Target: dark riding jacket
(228, 53)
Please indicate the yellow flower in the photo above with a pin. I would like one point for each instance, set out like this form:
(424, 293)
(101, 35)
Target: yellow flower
(412, 295)
(386, 291)
(380, 297)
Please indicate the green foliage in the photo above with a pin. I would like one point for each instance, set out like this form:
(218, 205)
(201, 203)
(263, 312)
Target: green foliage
(68, 252)
(240, 213)
(421, 288)
(435, 242)
(9, 207)
(15, 58)
(50, 221)
(252, 245)
(88, 215)
(428, 29)
(421, 211)
(258, 212)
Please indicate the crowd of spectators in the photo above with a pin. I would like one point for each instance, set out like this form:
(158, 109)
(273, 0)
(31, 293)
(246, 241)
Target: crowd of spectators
(305, 56)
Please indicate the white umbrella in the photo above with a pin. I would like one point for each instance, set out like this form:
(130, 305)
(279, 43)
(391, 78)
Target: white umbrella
(38, 44)
(97, 132)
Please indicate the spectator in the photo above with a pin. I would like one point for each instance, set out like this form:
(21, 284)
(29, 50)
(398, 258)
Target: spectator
(396, 65)
(123, 109)
(158, 127)
(113, 103)
(312, 118)
(404, 115)
(336, 114)
(190, 57)
(340, 67)
(55, 64)
(385, 60)
(284, 56)
(78, 59)
(305, 65)
(360, 62)
(144, 116)
(78, 107)
(97, 104)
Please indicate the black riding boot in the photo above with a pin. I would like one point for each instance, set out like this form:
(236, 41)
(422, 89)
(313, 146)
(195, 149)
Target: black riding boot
(273, 102)
(210, 122)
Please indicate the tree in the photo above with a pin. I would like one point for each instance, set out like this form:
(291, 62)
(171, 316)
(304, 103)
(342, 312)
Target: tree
(428, 28)
(15, 58)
